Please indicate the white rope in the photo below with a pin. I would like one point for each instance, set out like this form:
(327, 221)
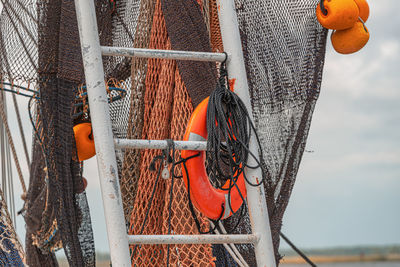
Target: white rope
(231, 248)
(11, 143)
(221, 226)
(7, 176)
(21, 129)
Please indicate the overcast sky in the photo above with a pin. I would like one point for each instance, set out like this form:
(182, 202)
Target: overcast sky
(348, 188)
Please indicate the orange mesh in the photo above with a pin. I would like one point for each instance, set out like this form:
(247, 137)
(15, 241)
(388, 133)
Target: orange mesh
(167, 108)
(130, 167)
(215, 32)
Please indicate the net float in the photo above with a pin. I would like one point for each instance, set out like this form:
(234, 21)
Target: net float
(337, 14)
(350, 40)
(84, 141)
(363, 9)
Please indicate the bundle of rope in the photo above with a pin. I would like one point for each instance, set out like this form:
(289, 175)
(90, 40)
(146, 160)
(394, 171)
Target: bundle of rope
(228, 131)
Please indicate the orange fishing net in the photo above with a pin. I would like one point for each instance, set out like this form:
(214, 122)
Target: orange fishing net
(131, 163)
(215, 31)
(167, 109)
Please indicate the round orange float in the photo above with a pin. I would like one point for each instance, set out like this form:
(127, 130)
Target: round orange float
(340, 14)
(213, 203)
(363, 8)
(84, 141)
(350, 40)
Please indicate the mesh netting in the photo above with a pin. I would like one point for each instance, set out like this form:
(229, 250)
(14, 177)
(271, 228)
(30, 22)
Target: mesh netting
(167, 108)
(11, 251)
(284, 49)
(131, 170)
(40, 50)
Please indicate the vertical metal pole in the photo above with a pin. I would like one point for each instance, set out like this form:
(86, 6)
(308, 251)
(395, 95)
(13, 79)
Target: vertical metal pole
(255, 195)
(103, 137)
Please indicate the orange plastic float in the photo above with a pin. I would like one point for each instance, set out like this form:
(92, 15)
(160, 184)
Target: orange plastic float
(84, 141)
(363, 8)
(340, 14)
(208, 200)
(350, 40)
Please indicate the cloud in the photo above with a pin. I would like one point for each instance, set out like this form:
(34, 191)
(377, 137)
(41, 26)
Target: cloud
(347, 189)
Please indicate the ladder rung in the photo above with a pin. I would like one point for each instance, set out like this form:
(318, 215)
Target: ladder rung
(167, 54)
(158, 144)
(192, 239)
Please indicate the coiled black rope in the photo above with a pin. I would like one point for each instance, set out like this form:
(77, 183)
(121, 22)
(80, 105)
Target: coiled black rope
(229, 128)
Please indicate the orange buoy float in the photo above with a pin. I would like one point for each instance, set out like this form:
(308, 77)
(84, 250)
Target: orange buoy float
(84, 141)
(350, 40)
(212, 202)
(338, 14)
(363, 9)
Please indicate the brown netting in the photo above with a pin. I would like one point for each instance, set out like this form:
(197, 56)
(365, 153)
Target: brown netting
(167, 108)
(131, 168)
(11, 251)
(39, 48)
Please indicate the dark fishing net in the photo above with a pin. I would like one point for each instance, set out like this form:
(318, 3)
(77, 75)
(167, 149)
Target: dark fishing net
(284, 49)
(11, 251)
(40, 49)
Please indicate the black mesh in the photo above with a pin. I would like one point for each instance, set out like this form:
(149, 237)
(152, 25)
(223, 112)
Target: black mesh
(284, 50)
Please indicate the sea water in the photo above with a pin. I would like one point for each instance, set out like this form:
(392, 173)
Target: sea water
(353, 264)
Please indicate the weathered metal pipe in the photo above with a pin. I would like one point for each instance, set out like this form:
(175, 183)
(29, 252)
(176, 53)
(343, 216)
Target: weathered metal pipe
(102, 132)
(166, 54)
(159, 144)
(192, 239)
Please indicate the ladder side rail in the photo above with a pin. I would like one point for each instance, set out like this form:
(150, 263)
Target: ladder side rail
(103, 136)
(256, 200)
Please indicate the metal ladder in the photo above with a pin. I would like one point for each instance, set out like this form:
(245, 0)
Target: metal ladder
(106, 144)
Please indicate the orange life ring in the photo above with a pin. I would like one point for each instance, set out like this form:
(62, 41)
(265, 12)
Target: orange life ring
(208, 200)
(84, 141)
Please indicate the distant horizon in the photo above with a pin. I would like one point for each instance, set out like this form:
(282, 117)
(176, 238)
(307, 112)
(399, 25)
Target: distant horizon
(284, 249)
